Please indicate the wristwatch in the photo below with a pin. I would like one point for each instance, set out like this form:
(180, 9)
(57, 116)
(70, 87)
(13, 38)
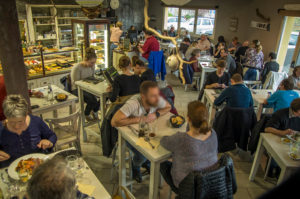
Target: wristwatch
(157, 114)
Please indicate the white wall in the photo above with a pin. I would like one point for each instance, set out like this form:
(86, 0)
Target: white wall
(245, 11)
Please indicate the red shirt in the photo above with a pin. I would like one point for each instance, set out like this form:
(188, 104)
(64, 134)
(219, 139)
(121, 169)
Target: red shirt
(195, 65)
(2, 97)
(151, 44)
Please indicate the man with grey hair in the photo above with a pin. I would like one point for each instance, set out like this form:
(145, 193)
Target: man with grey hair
(53, 180)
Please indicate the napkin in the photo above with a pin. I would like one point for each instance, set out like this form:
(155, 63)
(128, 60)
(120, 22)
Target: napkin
(142, 143)
(86, 189)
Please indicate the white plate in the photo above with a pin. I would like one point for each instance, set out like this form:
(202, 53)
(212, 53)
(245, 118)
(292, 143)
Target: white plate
(297, 159)
(12, 167)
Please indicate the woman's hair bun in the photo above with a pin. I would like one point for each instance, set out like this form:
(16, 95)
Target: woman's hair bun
(90, 53)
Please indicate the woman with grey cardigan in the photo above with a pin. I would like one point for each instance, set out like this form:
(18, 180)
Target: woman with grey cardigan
(82, 71)
(194, 150)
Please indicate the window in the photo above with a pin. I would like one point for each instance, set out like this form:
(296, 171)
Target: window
(199, 21)
(187, 19)
(171, 18)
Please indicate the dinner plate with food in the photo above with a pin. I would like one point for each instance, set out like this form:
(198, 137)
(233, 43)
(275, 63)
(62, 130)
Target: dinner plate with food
(61, 97)
(22, 168)
(177, 121)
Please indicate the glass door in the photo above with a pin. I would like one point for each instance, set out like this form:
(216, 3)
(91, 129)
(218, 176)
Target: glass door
(98, 39)
(79, 42)
(288, 53)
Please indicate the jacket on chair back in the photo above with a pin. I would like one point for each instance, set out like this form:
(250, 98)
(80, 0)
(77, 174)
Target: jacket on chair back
(234, 125)
(217, 183)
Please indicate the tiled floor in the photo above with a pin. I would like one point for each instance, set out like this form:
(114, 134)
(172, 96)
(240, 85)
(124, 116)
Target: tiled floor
(102, 166)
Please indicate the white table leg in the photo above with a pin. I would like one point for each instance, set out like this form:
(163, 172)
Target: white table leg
(259, 152)
(81, 104)
(154, 180)
(284, 174)
(102, 107)
(212, 113)
(122, 166)
(259, 111)
(202, 79)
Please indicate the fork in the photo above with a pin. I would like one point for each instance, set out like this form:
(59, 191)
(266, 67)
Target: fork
(147, 139)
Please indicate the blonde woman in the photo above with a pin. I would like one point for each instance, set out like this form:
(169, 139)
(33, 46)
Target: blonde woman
(21, 133)
(254, 61)
(82, 71)
(192, 47)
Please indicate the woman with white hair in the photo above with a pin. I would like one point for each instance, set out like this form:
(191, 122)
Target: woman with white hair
(21, 133)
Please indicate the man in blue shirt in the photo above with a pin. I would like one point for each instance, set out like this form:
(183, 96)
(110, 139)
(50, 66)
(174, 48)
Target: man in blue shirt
(283, 97)
(237, 95)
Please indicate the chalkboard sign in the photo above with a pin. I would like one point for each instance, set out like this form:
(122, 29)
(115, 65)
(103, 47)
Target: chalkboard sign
(126, 44)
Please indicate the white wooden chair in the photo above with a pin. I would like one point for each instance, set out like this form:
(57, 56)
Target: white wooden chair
(67, 130)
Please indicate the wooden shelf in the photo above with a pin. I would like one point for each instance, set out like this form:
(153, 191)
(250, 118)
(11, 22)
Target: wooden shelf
(46, 39)
(52, 24)
(64, 24)
(70, 17)
(42, 17)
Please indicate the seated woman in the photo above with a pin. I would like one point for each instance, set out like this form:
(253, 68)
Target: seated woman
(192, 47)
(254, 61)
(218, 79)
(22, 134)
(218, 49)
(125, 84)
(194, 150)
(283, 97)
(143, 71)
(82, 71)
(295, 77)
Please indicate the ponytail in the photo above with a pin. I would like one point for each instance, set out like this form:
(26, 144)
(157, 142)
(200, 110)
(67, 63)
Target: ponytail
(198, 116)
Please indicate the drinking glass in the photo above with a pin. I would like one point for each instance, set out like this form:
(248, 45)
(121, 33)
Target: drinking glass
(143, 127)
(72, 161)
(295, 149)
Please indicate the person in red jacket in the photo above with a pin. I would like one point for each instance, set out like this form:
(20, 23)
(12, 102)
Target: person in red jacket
(2, 96)
(151, 44)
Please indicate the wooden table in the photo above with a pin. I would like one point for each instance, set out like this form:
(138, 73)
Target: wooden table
(155, 156)
(99, 90)
(278, 151)
(48, 106)
(89, 178)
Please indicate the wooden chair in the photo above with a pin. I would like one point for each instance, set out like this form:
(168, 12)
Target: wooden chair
(67, 130)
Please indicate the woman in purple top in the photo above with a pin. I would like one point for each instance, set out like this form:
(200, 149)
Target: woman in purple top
(254, 61)
(194, 150)
(22, 134)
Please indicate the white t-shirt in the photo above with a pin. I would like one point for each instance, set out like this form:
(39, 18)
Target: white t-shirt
(134, 108)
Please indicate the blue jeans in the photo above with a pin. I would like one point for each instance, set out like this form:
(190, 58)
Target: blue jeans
(251, 74)
(138, 158)
(112, 47)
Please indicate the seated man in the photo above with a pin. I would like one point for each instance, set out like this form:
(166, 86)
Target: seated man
(218, 79)
(231, 65)
(283, 97)
(271, 65)
(145, 73)
(285, 121)
(148, 104)
(53, 179)
(150, 45)
(236, 96)
(241, 51)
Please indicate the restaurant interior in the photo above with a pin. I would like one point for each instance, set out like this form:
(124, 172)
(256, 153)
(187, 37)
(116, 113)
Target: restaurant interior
(149, 99)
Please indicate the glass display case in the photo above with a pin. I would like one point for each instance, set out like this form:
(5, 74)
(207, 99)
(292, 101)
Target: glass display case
(46, 63)
(94, 34)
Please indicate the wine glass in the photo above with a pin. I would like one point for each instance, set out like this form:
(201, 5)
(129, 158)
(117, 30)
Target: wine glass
(72, 161)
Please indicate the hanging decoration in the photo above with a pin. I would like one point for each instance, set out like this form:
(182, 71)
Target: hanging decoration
(176, 2)
(114, 4)
(172, 39)
(89, 3)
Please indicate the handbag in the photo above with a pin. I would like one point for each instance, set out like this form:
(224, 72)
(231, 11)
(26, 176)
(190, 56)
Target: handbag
(118, 194)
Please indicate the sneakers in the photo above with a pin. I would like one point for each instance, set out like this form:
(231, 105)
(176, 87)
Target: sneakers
(146, 166)
(89, 118)
(92, 117)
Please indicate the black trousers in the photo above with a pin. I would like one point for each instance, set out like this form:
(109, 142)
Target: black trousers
(92, 104)
(165, 170)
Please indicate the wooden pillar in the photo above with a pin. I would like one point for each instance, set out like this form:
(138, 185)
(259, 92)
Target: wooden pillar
(11, 55)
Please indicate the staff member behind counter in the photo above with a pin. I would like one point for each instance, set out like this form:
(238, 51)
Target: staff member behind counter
(115, 34)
